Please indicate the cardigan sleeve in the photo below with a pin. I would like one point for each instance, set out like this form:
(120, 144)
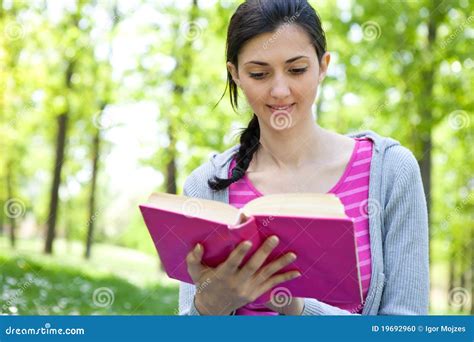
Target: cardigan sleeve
(405, 242)
(186, 299)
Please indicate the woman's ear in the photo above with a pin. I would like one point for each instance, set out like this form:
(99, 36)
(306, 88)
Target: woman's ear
(233, 71)
(323, 66)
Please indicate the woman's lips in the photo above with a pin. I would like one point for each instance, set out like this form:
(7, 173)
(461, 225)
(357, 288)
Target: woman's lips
(285, 109)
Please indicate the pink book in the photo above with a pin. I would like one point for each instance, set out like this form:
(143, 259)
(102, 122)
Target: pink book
(313, 226)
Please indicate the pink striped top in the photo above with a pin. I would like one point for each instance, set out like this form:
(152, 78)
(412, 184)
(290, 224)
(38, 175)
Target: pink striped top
(353, 191)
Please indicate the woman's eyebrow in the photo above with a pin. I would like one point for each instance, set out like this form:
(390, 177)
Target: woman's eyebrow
(288, 61)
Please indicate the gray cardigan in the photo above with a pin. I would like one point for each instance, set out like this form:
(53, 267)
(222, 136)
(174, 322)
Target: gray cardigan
(398, 227)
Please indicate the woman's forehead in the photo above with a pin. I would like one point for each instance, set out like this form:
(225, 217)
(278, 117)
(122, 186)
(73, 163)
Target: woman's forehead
(277, 47)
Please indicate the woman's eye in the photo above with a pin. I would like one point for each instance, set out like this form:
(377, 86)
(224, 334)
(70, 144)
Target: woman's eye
(261, 75)
(257, 75)
(298, 70)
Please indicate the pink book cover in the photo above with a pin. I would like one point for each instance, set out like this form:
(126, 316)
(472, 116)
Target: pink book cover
(325, 249)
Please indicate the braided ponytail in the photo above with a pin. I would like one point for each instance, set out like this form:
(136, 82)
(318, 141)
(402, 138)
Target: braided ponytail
(249, 143)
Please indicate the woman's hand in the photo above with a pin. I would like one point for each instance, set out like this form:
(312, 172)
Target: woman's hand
(225, 288)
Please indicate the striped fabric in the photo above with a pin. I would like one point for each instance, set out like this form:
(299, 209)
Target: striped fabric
(353, 191)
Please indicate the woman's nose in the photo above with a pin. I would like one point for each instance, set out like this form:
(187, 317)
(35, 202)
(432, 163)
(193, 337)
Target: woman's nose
(280, 88)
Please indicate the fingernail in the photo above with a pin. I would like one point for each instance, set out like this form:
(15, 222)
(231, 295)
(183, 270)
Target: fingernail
(247, 244)
(274, 240)
(197, 248)
(292, 256)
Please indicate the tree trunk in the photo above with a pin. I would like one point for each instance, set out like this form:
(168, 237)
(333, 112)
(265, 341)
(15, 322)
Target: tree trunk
(425, 165)
(179, 76)
(429, 68)
(58, 165)
(463, 279)
(426, 111)
(96, 148)
(92, 197)
(62, 121)
(171, 165)
(452, 274)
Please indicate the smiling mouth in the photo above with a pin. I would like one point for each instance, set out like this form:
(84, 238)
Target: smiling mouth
(285, 108)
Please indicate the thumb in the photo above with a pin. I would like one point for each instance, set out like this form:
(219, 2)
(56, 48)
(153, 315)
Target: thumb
(241, 218)
(193, 261)
(198, 251)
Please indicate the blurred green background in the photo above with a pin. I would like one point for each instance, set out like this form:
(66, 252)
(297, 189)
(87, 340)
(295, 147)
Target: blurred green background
(103, 102)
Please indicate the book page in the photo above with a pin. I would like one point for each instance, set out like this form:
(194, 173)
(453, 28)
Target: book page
(296, 204)
(195, 207)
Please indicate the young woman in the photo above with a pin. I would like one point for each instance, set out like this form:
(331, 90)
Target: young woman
(276, 55)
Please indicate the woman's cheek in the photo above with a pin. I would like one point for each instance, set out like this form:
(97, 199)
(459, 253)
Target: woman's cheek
(255, 97)
(311, 89)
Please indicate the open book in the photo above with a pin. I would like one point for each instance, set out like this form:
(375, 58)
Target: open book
(313, 226)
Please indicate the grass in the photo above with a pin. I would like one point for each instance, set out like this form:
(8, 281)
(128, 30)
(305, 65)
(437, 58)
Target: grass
(116, 281)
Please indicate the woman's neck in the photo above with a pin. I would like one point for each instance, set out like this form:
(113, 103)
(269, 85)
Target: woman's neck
(291, 148)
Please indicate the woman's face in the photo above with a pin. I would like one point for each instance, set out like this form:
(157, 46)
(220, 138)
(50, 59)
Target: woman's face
(279, 74)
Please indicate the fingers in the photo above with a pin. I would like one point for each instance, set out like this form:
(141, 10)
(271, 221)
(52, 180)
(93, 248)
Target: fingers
(193, 261)
(275, 266)
(277, 279)
(259, 257)
(235, 258)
